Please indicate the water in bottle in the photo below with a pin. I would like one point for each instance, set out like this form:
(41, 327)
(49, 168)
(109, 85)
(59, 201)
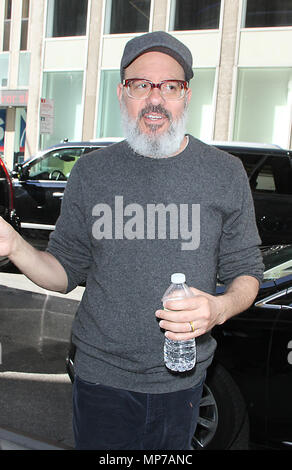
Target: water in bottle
(179, 356)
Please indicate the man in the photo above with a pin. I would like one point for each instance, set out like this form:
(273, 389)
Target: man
(134, 213)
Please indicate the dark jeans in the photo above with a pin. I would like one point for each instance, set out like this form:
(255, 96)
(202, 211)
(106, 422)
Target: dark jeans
(108, 418)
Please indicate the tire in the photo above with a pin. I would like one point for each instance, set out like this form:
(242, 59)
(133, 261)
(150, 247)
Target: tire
(223, 419)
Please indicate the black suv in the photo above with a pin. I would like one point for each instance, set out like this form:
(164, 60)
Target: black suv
(7, 209)
(40, 183)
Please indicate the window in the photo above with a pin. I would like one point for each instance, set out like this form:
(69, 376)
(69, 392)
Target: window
(201, 109)
(7, 25)
(65, 88)
(267, 13)
(274, 176)
(56, 165)
(66, 18)
(267, 173)
(109, 117)
(265, 180)
(263, 103)
(197, 14)
(4, 62)
(127, 16)
(20, 134)
(24, 25)
(23, 69)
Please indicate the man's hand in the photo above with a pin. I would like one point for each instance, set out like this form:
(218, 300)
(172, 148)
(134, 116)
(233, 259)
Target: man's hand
(7, 238)
(205, 310)
(202, 310)
(40, 267)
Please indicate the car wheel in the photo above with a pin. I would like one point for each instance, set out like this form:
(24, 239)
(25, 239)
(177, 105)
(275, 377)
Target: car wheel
(223, 418)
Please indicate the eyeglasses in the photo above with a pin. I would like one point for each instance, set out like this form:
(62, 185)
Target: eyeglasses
(139, 88)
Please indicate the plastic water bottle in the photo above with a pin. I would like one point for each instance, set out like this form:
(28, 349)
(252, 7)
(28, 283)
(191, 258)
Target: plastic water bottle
(179, 356)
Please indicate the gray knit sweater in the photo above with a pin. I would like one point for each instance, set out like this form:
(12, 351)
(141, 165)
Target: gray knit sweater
(127, 223)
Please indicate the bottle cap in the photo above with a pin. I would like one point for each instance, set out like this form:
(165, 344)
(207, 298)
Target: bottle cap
(178, 278)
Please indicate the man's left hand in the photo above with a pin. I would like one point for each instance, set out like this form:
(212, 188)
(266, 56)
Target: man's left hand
(203, 310)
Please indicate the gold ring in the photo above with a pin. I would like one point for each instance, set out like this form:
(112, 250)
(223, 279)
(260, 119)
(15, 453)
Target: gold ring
(192, 326)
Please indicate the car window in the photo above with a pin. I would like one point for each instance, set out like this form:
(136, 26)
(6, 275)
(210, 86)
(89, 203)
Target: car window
(268, 173)
(275, 176)
(264, 180)
(250, 162)
(55, 165)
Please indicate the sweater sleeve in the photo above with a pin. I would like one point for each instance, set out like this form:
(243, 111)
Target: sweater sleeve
(70, 242)
(239, 252)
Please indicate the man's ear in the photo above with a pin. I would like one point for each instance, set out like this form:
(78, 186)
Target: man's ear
(188, 95)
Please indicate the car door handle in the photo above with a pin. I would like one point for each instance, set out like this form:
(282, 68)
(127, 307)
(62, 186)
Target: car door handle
(58, 194)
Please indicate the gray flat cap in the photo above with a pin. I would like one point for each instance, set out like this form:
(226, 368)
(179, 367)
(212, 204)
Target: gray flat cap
(159, 41)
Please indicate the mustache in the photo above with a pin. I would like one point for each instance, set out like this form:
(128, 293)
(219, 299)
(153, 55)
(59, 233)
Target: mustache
(155, 109)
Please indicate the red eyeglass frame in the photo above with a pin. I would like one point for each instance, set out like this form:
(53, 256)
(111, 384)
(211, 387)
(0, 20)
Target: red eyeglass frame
(184, 83)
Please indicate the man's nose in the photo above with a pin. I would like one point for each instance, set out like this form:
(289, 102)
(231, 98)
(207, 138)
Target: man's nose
(155, 96)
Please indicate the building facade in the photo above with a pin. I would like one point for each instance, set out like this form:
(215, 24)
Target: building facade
(59, 68)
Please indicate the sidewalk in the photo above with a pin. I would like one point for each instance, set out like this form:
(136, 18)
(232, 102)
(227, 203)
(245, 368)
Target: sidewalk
(11, 440)
(35, 390)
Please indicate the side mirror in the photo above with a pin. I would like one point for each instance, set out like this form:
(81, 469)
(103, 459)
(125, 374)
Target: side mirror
(20, 172)
(15, 173)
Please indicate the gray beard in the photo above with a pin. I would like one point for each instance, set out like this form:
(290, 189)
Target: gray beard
(152, 145)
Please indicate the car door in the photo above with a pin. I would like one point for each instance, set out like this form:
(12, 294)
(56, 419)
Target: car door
(278, 269)
(243, 345)
(39, 192)
(279, 383)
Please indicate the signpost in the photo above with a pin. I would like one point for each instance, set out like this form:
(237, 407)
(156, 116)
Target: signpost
(46, 116)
